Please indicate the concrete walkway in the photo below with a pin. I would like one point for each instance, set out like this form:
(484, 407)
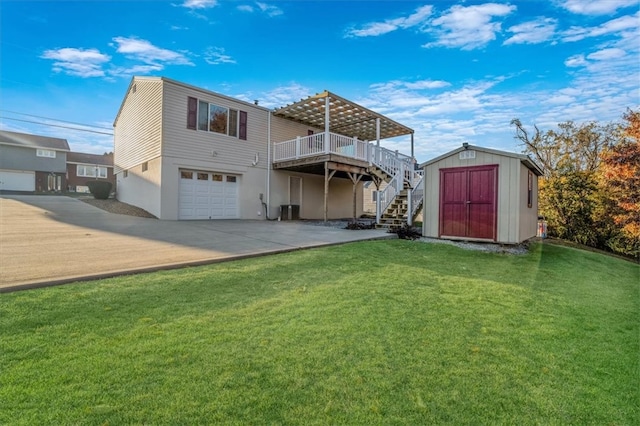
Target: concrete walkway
(49, 240)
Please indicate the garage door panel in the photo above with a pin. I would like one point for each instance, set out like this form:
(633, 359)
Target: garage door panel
(208, 195)
(17, 180)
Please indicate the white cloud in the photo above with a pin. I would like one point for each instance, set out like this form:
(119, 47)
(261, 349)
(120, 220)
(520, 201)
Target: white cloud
(468, 27)
(596, 7)
(77, 62)
(267, 9)
(606, 54)
(575, 61)
(427, 84)
(532, 32)
(216, 56)
(279, 96)
(614, 26)
(199, 4)
(374, 29)
(144, 51)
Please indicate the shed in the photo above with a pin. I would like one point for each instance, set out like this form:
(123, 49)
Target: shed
(481, 194)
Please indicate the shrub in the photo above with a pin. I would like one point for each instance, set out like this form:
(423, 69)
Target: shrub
(406, 232)
(100, 189)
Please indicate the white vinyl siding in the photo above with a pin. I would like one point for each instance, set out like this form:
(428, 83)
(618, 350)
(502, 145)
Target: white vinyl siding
(181, 142)
(138, 127)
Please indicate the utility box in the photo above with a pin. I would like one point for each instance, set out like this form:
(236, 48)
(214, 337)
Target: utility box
(289, 212)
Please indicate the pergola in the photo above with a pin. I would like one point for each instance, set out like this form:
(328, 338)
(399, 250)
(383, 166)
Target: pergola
(335, 114)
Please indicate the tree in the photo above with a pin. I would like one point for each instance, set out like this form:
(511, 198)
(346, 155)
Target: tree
(569, 195)
(620, 179)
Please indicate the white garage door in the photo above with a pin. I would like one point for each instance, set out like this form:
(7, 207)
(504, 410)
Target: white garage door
(207, 195)
(17, 181)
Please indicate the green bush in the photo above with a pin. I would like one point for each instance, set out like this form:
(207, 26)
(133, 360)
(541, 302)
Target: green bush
(100, 189)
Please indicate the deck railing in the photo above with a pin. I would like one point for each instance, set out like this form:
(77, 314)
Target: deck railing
(309, 146)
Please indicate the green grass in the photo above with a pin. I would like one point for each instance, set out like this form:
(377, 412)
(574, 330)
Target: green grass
(383, 332)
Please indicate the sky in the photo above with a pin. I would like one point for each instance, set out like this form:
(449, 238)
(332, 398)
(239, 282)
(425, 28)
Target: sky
(454, 71)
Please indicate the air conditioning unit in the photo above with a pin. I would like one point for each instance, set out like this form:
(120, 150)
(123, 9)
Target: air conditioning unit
(289, 212)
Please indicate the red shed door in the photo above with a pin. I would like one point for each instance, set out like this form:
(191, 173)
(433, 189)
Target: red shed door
(468, 201)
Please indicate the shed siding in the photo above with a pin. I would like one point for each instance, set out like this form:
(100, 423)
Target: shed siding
(137, 132)
(508, 221)
(528, 224)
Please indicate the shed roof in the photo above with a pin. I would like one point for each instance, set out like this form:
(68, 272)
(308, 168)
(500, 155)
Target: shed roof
(97, 159)
(525, 159)
(33, 141)
(345, 117)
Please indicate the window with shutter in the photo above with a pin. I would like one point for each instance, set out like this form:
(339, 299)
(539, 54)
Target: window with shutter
(192, 113)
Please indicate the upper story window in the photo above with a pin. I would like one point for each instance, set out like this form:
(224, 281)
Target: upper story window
(49, 153)
(91, 171)
(206, 116)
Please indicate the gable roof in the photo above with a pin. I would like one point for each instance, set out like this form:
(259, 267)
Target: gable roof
(524, 159)
(33, 141)
(93, 159)
(345, 117)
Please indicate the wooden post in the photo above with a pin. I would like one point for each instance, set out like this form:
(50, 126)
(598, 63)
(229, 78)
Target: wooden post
(327, 178)
(355, 178)
(327, 118)
(326, 187)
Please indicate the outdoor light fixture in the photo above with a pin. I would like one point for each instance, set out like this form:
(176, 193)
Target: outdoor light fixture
(465, 145)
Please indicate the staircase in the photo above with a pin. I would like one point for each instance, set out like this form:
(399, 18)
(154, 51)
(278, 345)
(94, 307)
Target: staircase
(401, 201)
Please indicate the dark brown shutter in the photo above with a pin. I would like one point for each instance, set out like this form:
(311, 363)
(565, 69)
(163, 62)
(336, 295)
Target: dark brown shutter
(243, 125)
(192, 113)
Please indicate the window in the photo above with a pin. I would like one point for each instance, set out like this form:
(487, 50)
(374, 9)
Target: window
(530, 190)
(217, 178)
(125, 173)
(203, 176)
(231, 178)
(186, 175)
(91, 171)
(209, 117)
(145, 166)
(49, 153)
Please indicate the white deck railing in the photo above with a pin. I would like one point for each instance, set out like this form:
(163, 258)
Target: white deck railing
(309, 146)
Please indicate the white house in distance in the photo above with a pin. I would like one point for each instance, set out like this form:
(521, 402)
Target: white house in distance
(184, 153)
(481, 194)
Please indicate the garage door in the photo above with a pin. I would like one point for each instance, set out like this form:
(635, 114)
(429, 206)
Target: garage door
(207, 195)
(17, 181)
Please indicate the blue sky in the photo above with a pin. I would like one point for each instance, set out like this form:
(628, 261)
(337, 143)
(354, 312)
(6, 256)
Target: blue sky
(453, 71)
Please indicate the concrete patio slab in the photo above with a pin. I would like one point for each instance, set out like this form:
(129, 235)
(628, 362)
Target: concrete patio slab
(49, 240)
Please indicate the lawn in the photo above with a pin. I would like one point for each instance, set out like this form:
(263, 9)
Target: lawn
(381, 332)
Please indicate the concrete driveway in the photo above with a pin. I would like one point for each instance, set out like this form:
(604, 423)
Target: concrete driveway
(47, 240)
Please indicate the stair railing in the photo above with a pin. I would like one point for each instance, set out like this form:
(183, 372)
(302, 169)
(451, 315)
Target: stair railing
(417, 194)
(386, 196)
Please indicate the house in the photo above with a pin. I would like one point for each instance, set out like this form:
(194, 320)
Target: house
(184, 152)
(32, 162)
(82, 168)
(481, 194)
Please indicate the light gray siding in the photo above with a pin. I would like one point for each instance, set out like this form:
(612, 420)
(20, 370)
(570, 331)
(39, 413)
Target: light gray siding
(529, 215)
(23, 158)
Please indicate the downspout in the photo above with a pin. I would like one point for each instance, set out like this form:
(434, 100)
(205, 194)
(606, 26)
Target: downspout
(268, 191)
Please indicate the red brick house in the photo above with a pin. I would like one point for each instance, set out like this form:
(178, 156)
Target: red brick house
(82, 168)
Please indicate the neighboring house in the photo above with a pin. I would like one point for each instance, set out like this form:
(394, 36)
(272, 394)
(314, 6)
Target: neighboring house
(32, 163)
(82, 168)
(183, 152)
(481, 194)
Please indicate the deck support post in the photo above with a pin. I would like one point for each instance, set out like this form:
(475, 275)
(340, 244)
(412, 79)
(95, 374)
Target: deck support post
(378, 139)
(327, 178)
(355, 178)
(409, 208)
(412, 156)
